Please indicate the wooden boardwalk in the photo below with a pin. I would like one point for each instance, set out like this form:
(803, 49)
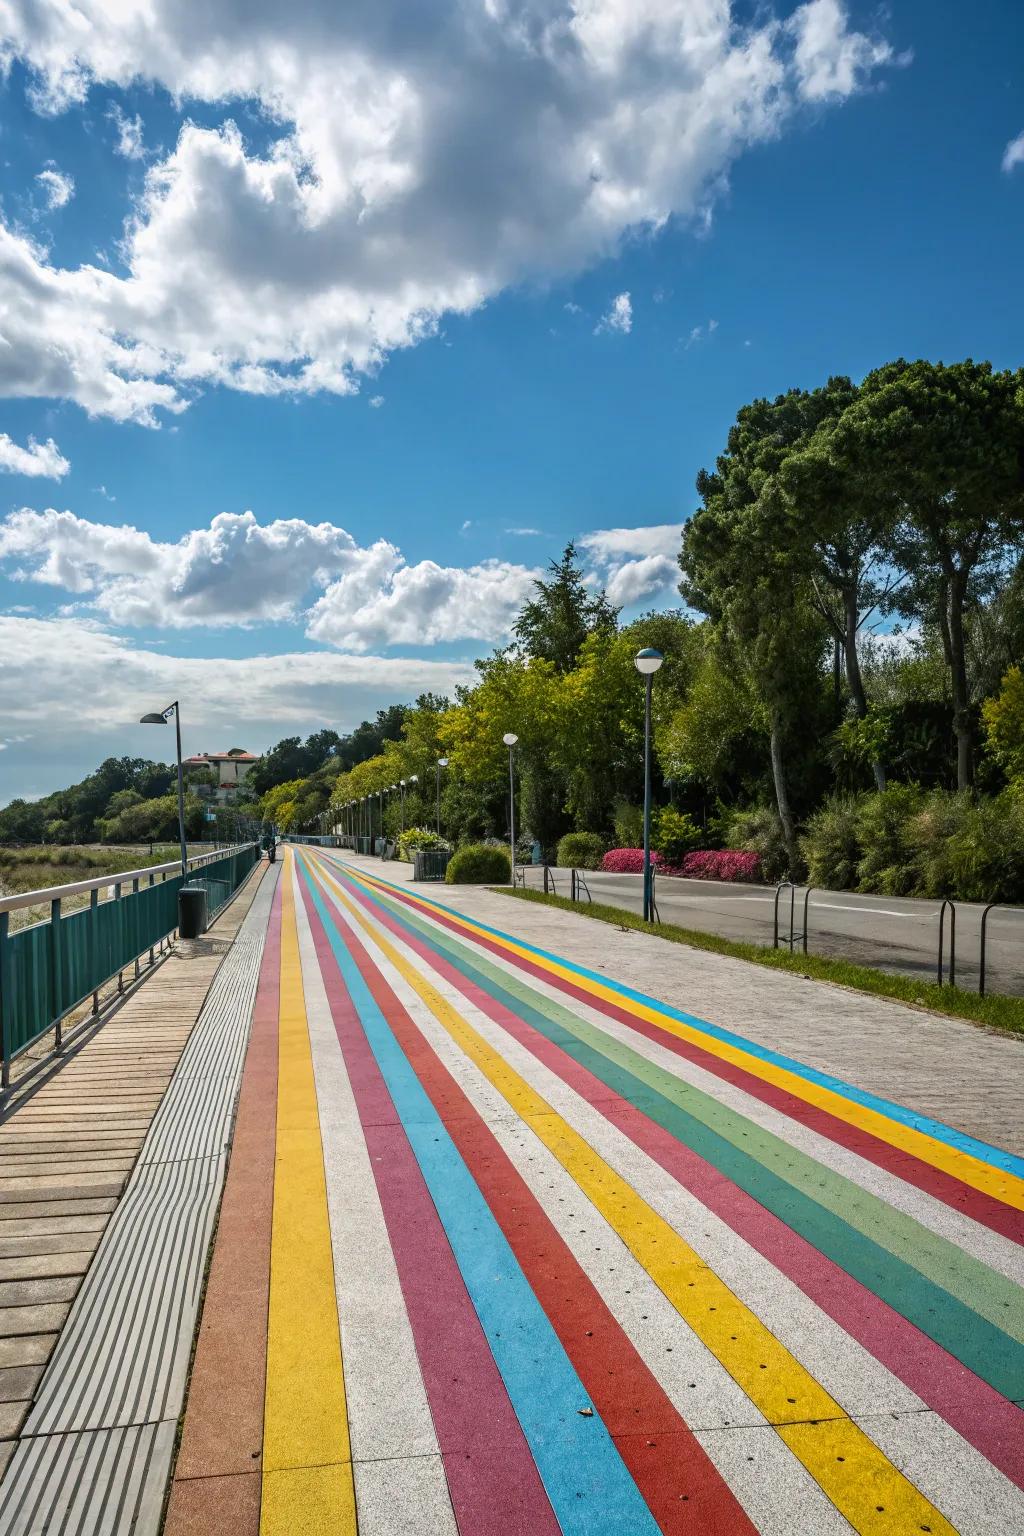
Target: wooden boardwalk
(68, 1142)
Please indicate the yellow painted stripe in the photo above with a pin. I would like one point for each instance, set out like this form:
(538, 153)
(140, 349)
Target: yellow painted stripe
(859, 1479)
(307, 1468)
(996, 1182)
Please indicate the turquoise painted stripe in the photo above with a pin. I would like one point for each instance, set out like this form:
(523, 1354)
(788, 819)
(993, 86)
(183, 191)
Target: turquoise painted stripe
(590, 1489)
(995, 1156)
(944, 1315)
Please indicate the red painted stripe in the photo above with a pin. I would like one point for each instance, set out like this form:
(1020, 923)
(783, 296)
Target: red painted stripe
(984, 1418)
(492, 1478)
(680, 1484)
(981, 1207)
(218, 1469)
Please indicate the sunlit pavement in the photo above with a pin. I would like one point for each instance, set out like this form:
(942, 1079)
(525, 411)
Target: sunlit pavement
(508, 1247)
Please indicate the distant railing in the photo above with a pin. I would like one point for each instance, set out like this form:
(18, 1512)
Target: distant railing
(49, 969)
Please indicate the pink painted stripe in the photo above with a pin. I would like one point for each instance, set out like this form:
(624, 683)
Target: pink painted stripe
(975, 1203)
(985, 1419)
(492, 1478)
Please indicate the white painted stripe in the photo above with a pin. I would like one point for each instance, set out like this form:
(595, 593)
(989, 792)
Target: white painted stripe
(389, 1414)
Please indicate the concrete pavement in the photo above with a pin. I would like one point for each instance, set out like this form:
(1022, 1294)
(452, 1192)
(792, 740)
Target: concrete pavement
(512, 1243)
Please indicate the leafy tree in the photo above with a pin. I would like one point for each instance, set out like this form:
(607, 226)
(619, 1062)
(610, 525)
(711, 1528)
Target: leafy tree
(944, 447)
(835, 523)
(22, 821)
(751, 588)
(556, 621)
(1004, 725)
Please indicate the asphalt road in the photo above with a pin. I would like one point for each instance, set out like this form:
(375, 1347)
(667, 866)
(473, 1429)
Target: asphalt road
(893, 933)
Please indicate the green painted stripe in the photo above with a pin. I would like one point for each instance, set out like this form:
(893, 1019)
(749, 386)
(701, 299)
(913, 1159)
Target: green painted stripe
(944, 1314)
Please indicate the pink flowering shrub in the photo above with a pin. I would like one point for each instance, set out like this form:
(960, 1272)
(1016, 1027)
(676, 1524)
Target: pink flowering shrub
(628, 861)
(726, 864)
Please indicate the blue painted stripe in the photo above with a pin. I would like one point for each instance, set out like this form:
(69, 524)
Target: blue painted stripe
(590, 1489)
(983, 1151)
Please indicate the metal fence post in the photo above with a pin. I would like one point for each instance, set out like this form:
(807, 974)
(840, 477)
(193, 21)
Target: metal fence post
(56, 973)
(5, 999)
(94, 901)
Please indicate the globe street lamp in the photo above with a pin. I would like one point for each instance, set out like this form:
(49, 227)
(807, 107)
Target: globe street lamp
(442, 762)
(162, 718)
(510, 739)
(647, 663)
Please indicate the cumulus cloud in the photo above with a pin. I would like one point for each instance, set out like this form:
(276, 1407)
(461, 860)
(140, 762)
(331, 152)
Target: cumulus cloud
(634, 563)
(425, 158)
(422, 604)
(618, 318)
(89, 688)
(57, 186)
(1013, 154)
(40, 460)
(239, 572)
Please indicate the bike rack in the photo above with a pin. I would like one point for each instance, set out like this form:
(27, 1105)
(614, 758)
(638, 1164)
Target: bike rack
(519, 876)
(576, 883)
(550, 888)
(984, 925)
(952, 941)
(792, 888)
(655, 914)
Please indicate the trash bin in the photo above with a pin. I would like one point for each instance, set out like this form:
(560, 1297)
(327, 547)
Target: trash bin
(192, 917)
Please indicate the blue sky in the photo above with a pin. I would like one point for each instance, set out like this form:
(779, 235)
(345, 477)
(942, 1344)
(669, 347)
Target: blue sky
(843, 202)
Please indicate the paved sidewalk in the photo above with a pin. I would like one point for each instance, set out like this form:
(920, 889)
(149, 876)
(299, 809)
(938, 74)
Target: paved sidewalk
(512, 1243)
(94, 1183)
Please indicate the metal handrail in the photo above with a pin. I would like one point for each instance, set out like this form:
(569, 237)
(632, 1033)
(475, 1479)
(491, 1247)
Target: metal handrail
(119, 877)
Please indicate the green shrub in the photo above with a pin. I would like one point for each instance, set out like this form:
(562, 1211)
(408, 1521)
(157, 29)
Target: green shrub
(831, 844)
(884, 821)
(580, 850)
(629, 825)
(970, 850)
(674, 835)
(757, 829)
(416, 839)
(479, 864)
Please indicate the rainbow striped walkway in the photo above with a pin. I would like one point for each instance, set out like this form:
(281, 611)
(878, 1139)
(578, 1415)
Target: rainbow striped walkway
(509, 1250)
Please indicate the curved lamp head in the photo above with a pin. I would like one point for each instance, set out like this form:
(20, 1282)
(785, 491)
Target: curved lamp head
(648, 661)
(442, 762)
(414, 778)
(510, 738)
(153, 720)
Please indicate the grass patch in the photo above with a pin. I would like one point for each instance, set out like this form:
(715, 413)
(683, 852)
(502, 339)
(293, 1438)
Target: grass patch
(1005, 1013)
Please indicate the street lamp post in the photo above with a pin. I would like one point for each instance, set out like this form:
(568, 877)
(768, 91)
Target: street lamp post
(510, 739)
(402, 783)
(647, 663)
(161, 718)
(442, 762)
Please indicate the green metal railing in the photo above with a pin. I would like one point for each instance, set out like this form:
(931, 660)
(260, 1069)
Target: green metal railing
(50, 968)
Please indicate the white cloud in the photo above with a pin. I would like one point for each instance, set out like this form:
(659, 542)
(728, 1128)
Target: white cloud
(421, 605)
(376, 401)
(525, 533)
(427, 158)
(129, 134)
(831, 61)
(41, 460)
(634, 563)
(89, 688)
(1013, 154)
(239, 572)
(618, 318)
(58, 187)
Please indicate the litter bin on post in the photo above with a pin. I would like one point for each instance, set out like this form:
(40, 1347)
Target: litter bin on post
(192, 914)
